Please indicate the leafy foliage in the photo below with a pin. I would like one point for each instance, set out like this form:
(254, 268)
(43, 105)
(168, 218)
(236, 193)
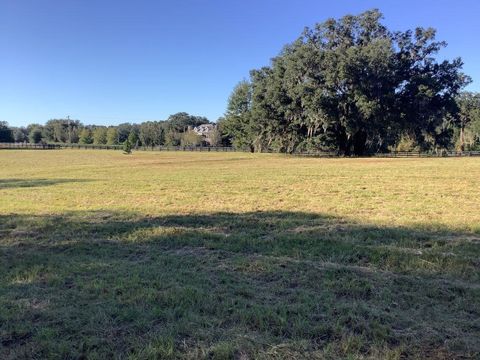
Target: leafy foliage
(468, 121)
(62, 130)
(35, 135)
(189, 138)
(86, 136)
(20, 134)
(348, 85)
(133, 137)
(236, 125)
(127, 147)
(112, 136)
(100, 135)
(150, 133)
(6, 134)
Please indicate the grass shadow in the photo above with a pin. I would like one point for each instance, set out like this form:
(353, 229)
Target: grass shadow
(27, 183)
(227, 285)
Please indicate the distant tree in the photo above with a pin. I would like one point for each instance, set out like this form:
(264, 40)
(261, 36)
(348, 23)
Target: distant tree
(215, 137)
(73, 134)
(473, 133)
(133, 138)
(31, 127)
(100, 135)
(62, 130)
(190, 138)
(86, 136)
(151, 133)
(240, 123)
(112, 136)
(49, 132)
(468, 119)
(225, 138)
(6, 134)
(35, 135)
(173, 138)
(180, 122)
(123, 131)
(236, 125)
(20, 134)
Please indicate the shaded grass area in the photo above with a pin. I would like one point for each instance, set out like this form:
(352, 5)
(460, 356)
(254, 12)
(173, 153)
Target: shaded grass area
(261, 284)
(26, 183)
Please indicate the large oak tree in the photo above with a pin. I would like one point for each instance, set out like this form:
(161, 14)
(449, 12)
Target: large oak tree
(349, 85)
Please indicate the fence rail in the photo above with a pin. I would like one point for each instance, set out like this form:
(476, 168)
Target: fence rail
(395, 154)
(115, 147)
(428, 154)
(29, 146)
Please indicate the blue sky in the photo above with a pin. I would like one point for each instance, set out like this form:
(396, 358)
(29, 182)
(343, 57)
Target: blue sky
(113, 61)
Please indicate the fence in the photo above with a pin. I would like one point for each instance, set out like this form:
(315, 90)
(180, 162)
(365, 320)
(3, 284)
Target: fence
(150, 148)
(405, 154)
(395, 154)
(29, 146)
(115, 147)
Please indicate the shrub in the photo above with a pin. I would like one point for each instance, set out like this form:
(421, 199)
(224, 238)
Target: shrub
(127, 147)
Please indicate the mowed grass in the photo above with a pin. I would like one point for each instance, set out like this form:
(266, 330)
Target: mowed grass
(230, 255)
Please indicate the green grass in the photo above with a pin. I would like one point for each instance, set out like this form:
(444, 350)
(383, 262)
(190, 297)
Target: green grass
(188, 255)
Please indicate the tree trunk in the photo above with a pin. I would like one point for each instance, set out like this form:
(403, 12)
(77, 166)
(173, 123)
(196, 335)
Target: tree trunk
(359, 143)
(462, 138)
(343, 143)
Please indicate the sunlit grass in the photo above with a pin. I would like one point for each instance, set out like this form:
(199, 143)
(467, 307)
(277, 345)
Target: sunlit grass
(231, 255)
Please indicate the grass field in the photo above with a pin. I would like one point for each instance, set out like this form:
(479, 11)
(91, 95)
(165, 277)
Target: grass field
(206, 255)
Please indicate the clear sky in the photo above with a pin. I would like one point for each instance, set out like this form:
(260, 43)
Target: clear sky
(113, 61)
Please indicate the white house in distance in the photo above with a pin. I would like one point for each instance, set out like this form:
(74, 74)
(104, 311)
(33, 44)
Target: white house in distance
(205, 131)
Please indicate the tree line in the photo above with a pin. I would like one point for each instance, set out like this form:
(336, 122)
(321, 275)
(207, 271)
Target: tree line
(354, 87)
(176, 130)
(347, 85)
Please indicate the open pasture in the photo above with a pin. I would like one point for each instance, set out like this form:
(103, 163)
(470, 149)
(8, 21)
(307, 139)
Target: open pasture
(213, 255)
